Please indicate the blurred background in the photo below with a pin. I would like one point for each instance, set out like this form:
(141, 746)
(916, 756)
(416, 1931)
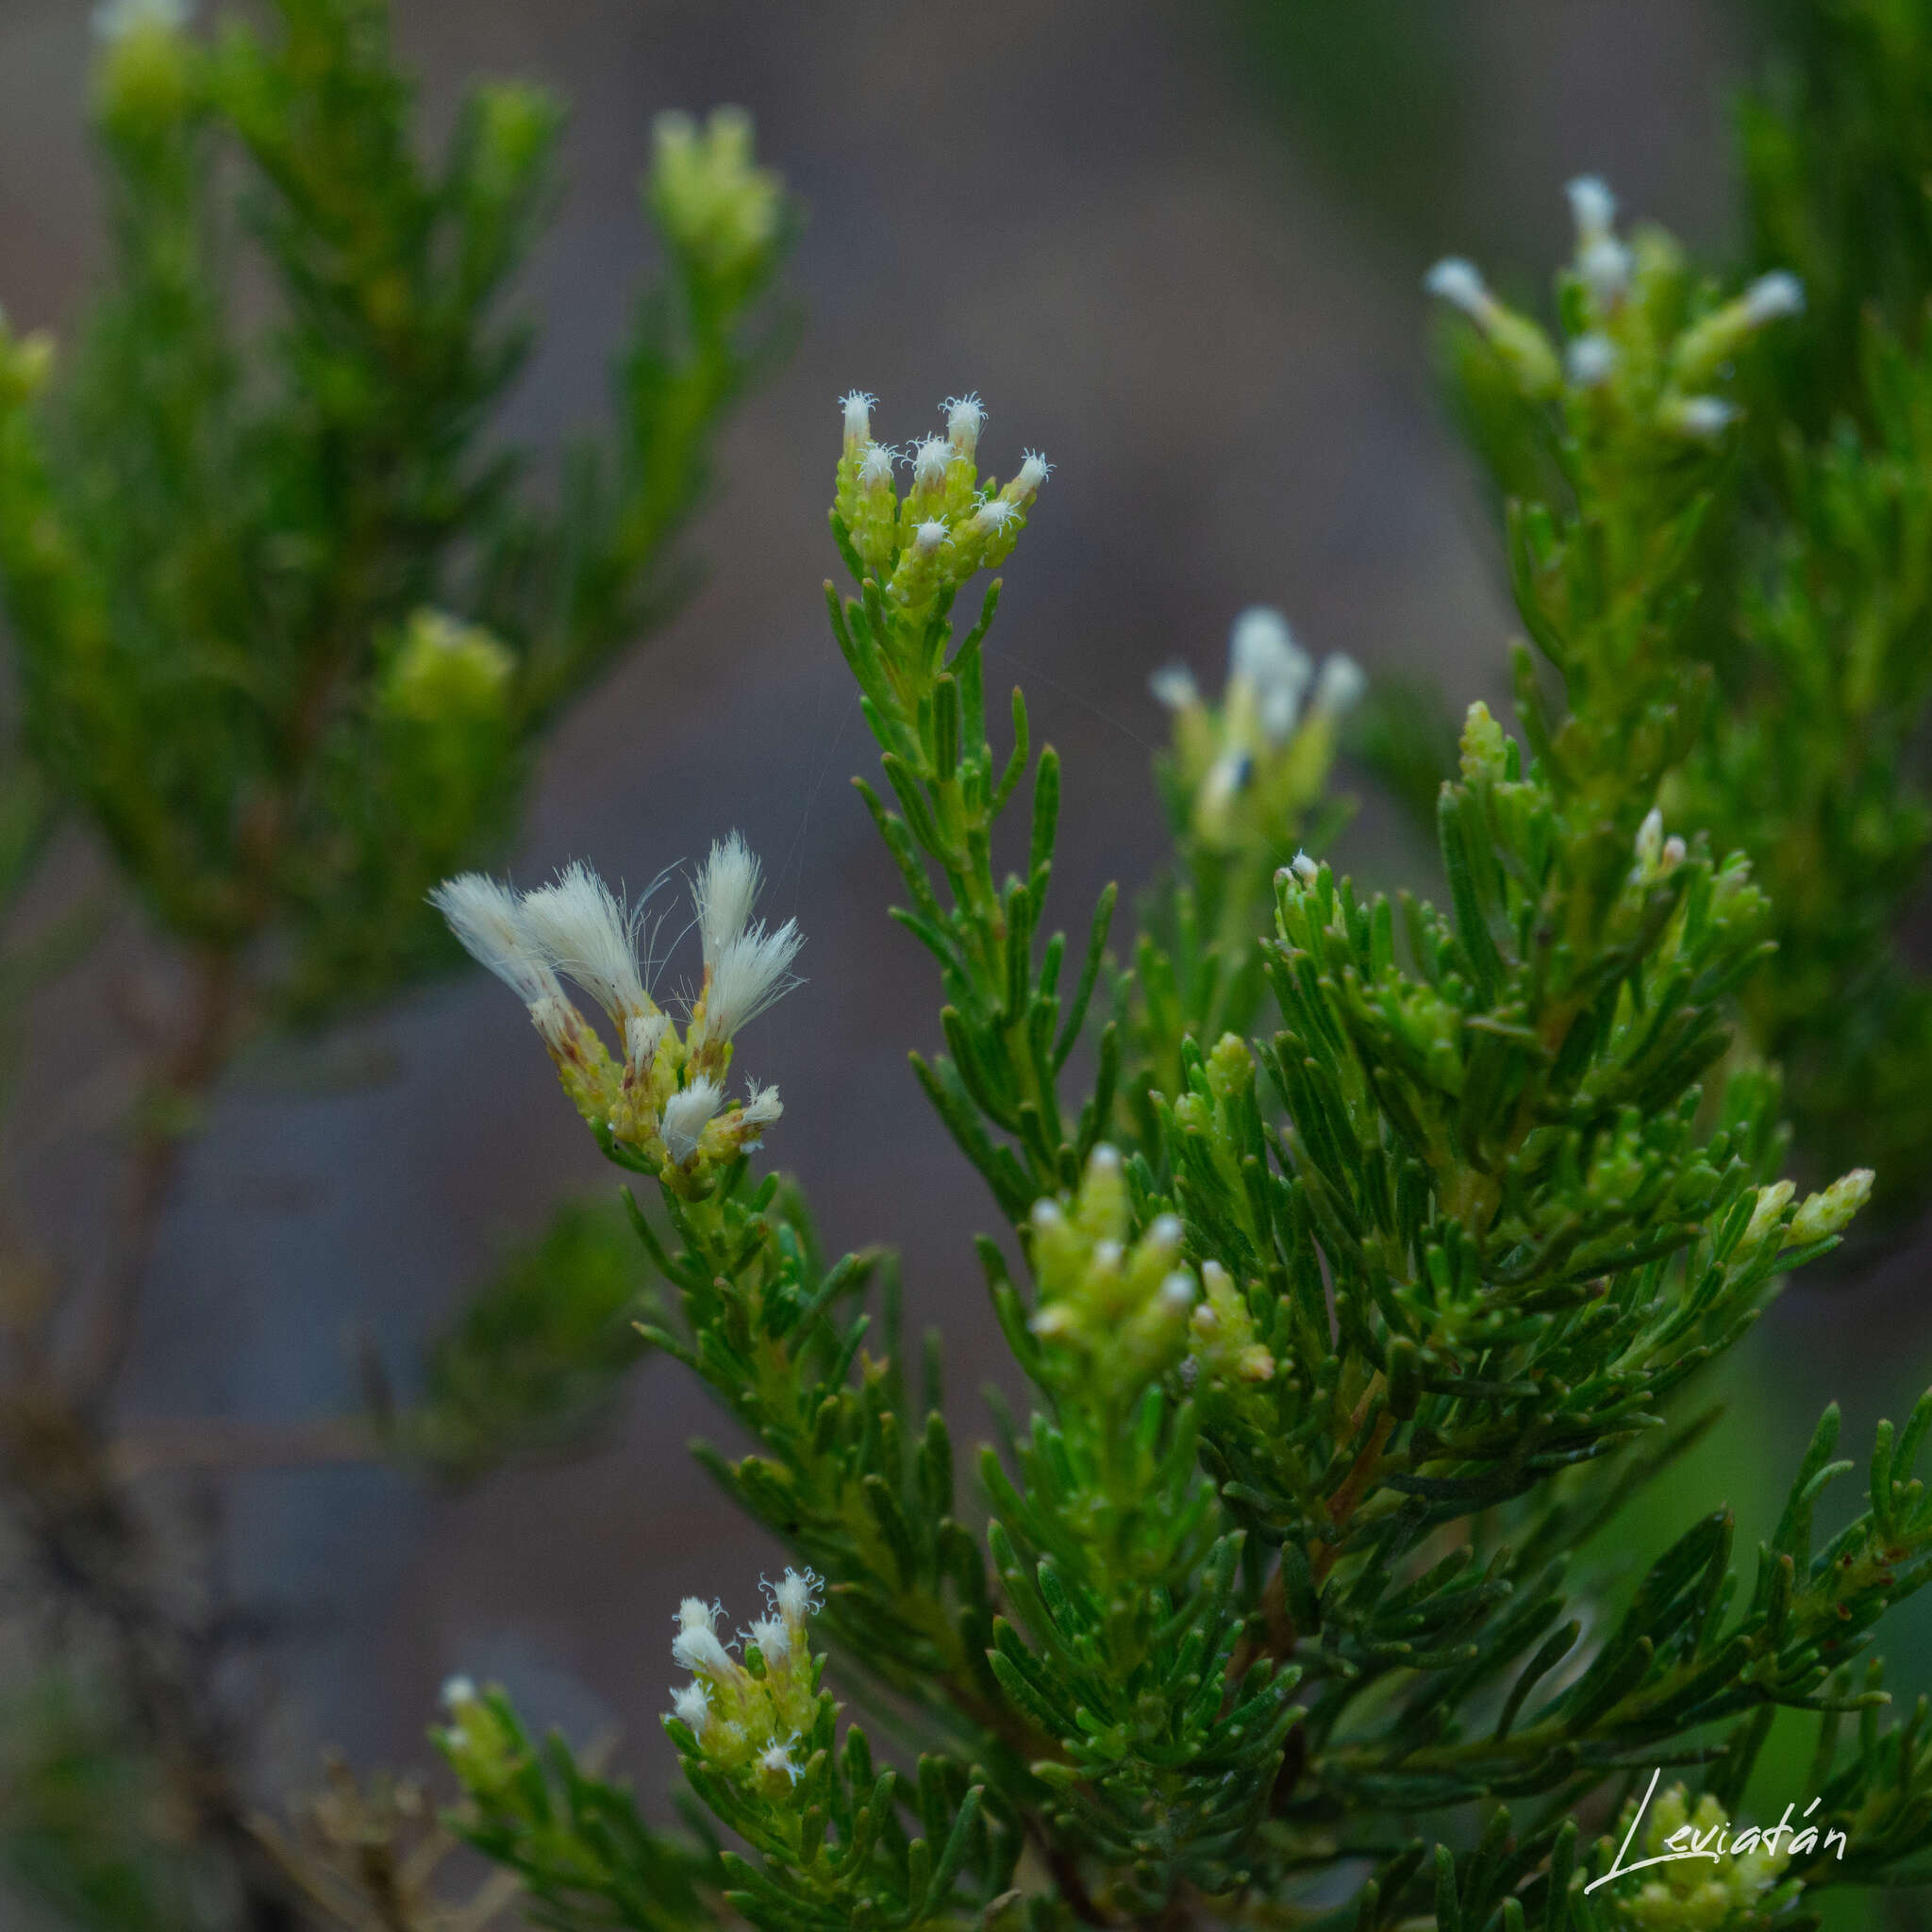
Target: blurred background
(1179, 248)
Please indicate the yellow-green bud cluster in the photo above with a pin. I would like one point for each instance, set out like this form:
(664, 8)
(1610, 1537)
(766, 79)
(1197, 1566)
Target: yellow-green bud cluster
(1111, 1313)
(1723, 1893)
(1626, 361)
(1249, 769)
(445, 669)
(706, 189)
(147, 80)
(663, 1098)
(745, 1715)
(949, 522)
(481, 1743)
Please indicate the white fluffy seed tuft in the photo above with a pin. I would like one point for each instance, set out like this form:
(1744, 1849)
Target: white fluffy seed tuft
(687, 1114)
(487, 919)
(724, 893)
(753, 970)
(588, 934)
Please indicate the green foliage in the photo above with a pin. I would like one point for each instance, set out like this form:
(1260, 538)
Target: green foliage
(289, 620)
(1809, 553)
(537, 1358)
(1349, 1342)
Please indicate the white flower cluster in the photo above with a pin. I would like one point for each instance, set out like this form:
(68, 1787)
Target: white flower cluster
(668, 1096)
(746, 1716)
(1264, 738)
(1608, 273)
(949, 523)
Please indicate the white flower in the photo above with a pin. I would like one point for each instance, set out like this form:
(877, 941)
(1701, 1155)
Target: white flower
(1771, 296)
(692, 1705)
(929, 536)
(1592, 207)
(930, 462)
(875, 467)
(772, 1638)
(775, 1758)
(696, 1646)
(1606, 266)
(1165, 1233)
(1459, 283)
(687, 1114)
(487, 918)
(1174, 686)
(965, 419)
(591, 936)
(1305, 868)
(1650, 840)
(115, 20)
(458, 1692)
(1034, 471)
(763, 1108)
(724, 893)
(994, 515)
(1178, 1292)
(798, 1595)
(1590, 360)
(857, 407)
(1704, 417)
(1262, 653)
(1341, 685)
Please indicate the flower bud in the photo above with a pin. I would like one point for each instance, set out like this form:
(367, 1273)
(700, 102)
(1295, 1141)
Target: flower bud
(1825, 1215)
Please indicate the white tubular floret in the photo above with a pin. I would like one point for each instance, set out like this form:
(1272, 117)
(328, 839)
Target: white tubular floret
(1174, 686)
(992, 516)
(487, 919)
(776, 1757)
(857, 407)
(798, 1595)
(1703, 418)
(724, 893)
(929, 536)
(930, 462)
(1460, 284)
(1262, 653)
(875, 467)
(692, 1705)
(590, 935)
(1592, 207)
(1342, 685)
(687, 1114)
(1034, 471)
(696, 1646)
(965, 419)
(1606, 267)
(1590, 360)
(1768, 298)
(771, 1637)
